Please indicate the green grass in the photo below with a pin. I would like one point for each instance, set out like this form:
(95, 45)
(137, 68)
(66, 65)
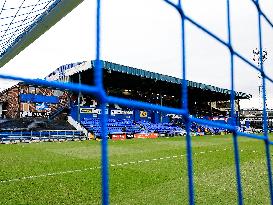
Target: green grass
(160, 181)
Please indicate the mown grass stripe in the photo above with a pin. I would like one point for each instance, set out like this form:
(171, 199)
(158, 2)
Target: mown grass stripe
(98, 167)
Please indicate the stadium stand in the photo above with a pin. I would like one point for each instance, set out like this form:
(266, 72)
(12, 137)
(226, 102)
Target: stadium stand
(119, 126)
(27, 101)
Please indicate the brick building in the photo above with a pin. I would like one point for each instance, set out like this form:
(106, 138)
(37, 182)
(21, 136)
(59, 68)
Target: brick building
(24, 100)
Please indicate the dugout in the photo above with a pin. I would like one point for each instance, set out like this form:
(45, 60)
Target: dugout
(133, 83)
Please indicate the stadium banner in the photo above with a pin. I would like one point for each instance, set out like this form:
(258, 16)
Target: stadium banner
(119, 137)
(38, 98)
(34, 114)
(86, 110)
(42, 107)
(143, 136)
(121, 114)
(129, 136)
(143, 114)
(92, 111)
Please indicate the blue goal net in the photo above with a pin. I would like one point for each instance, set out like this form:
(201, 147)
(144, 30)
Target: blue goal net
(20, 27)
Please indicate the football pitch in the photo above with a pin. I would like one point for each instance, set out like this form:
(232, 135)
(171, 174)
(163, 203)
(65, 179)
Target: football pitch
(142, 171)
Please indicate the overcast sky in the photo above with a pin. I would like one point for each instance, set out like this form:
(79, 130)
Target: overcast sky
(147, 35)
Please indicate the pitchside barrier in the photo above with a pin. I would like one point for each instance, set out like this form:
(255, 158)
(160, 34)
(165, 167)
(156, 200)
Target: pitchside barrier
(61, 8)
(7, 137)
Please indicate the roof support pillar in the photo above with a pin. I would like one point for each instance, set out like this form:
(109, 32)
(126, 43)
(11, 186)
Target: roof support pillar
(79, 100)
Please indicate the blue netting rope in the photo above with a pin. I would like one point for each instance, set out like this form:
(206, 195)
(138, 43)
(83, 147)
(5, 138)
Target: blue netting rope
(15, 25)
(265, 124)
(99, 92)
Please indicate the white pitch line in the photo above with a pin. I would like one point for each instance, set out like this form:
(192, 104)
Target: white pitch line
(98, 167)
(49, 174)
(146, 160)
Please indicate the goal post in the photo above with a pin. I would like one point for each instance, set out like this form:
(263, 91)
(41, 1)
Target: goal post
(39, 27)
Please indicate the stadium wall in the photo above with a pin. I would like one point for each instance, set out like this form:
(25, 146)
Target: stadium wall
(10, 102)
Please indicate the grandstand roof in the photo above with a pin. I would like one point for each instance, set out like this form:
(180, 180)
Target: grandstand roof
(71, 69)
(170, 79)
